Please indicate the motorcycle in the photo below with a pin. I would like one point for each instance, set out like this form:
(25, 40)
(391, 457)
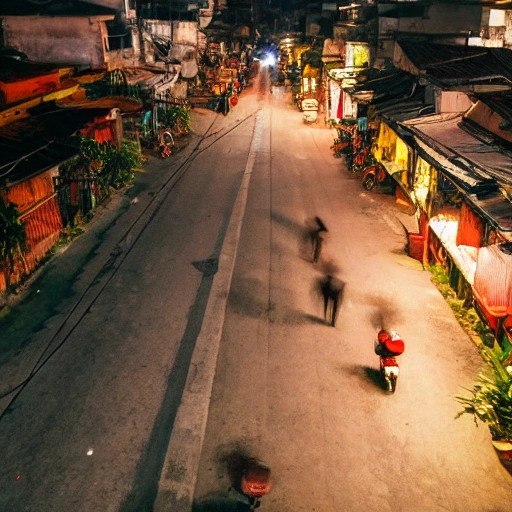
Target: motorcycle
(255, 483)
(388, 346)
(375, 175)
(372, 175)
(342, 145)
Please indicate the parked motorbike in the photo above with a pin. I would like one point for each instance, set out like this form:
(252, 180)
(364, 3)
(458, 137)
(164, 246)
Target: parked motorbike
(342, 145)
(388, 346)
(165, 143)
(372, 175)
(361, 157)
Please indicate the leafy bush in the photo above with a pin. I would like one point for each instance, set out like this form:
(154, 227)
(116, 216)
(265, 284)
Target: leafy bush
(177, 118)
(491, 396)
(13, 238)
(466, 316)
(104, 163)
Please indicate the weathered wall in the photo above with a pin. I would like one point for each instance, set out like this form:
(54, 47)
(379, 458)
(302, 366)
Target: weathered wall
(444, 19)
(185, 32)
(452, 101)
(482, 115)
(62, 40)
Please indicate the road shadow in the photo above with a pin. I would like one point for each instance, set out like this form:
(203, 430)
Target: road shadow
(149, 468)
(373, 377)
(242, 302)
(386, 314)
(232, 459)
(293, 227)
(314, 319)
(216, 502)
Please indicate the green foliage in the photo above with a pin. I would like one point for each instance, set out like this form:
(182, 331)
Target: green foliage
(439, 275)
(177, 118)
(104, 163)
(466, 316)
(491, 396)
(13, 237)
(119, 165)
(67, 235)
(313, 58)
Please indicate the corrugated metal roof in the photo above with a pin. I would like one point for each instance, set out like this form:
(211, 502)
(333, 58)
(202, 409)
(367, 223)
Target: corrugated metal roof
(481, 69)
(477, 167)
(499, 103)
(12, 69)
(36, 144)
(424, 55)
(395, 94)
(383, 83)
(455, 142)
(450, 66)
(55, 8)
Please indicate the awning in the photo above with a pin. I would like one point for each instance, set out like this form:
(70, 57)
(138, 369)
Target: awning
(79, 101)
(493, 278)
(462, 255)
(481, 191)
(383, 85)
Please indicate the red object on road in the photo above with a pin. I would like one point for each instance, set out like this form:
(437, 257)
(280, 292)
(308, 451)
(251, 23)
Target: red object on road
(393, 343)
(256, 480)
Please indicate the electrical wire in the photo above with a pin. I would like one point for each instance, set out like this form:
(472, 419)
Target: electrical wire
(176, 175)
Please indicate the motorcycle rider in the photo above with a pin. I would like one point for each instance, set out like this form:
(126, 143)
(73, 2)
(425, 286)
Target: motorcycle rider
(389, 344)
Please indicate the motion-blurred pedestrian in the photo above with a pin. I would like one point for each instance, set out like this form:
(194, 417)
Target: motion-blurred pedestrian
(318, 237)
(332, 289)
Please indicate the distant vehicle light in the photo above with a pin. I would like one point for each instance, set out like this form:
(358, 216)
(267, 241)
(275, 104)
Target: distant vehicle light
(269, 60)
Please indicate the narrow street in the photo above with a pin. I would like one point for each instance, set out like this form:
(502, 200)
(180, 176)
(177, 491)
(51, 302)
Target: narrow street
(89, 431)
(304, 397)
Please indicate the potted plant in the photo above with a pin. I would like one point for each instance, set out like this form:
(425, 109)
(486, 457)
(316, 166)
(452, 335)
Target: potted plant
(491, 402)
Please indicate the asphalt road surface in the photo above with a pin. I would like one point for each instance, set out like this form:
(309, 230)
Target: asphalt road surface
(113, 323)
(304, 397)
